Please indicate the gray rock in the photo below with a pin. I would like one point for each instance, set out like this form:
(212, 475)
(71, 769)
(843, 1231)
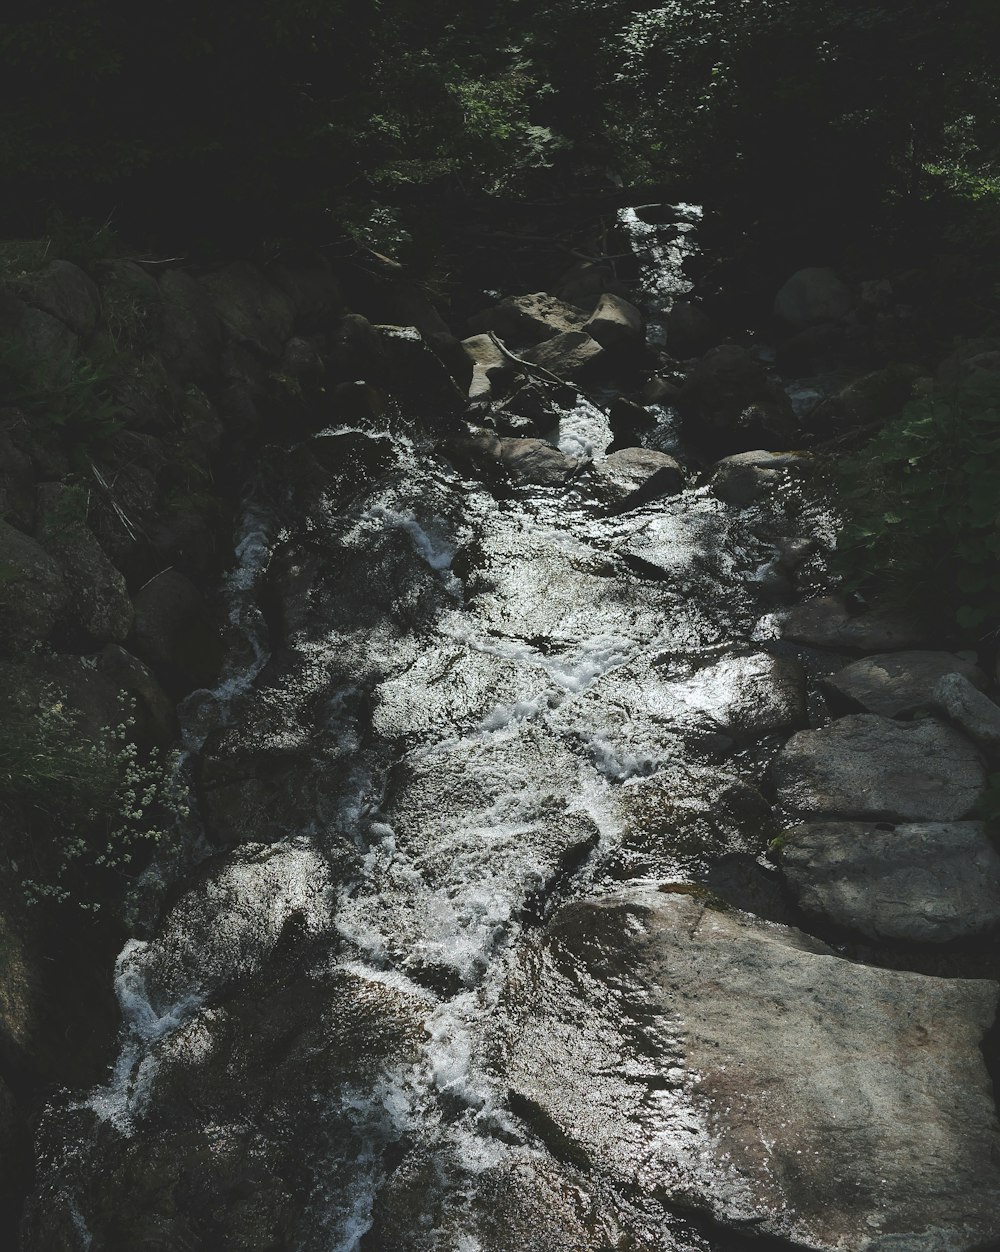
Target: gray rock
(871, 400)
(659, 391)
(174, 632)
(634, 476)
(586, 282)
(190, 335)
(533, 461)
(33, 591)
(899, 684)
(812, 295)
(920, 882)
(64, 291)
(17, 478)
(826, 623)
(530, 319)
(615, 322)
(566, 355)
(253, 307)
(740, 1070)
(314, 291)
(876, 769)
(484, 354)
(99, 600)
(970, 709)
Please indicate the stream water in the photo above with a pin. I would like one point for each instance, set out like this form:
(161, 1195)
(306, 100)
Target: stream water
(451, 708)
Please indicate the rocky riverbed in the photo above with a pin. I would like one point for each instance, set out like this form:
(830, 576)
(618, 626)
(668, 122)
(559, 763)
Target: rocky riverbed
(575, 870)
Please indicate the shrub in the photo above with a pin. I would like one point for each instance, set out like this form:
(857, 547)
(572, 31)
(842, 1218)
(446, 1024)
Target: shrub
(90, 807)
(922, 503)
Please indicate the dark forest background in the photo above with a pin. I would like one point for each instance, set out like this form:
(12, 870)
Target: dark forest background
(268, 124)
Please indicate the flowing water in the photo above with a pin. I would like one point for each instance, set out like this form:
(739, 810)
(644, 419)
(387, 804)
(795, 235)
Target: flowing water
(451, 707)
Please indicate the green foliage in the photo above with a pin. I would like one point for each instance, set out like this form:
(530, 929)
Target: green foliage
(73, 402)
(92, 806)
(923, 499)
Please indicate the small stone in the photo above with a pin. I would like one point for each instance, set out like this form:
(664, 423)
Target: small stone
(969, 708)
(876, 769)
(918, 882)
(899, 684)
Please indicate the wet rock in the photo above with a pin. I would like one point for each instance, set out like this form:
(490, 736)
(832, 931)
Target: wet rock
(794, 552)
(190, 335)
(921, 883)
(690, 330)
(969, 709)
(530, 319)
(415, 373)
(99, 602)
(253, 307)
(876, 769)
(154, 712)
(746, 476)
(535, 462)
(635, 476)
(175, 634)
(64, 291)
(615, 322)
(729, 394)
(566, 355)
(667, 1044)
(826, 623)
(812, 295)
(33, 590)
(531, 403)
(899, 684)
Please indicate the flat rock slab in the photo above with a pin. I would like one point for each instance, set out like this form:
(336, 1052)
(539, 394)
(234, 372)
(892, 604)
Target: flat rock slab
(566, 355)
(736, 1068)
(921, 882)
(635, 476)
(876, 769)
(899, 684)
(826, 623)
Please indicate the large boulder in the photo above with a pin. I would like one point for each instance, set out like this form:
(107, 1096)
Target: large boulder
(64, 291)
(175, 634)
(567, 355)
(898, 684)
(531, 319)
(738, 1070)
(415, 374)
(825, 622)
(872, 400)
(876, 769)
(744, 477)
(635, 476)
(812, 295)
(690, 330)
(190, 334)
(33, 590)
(38, 338)
(615, 322)
(99, 602)
(926, 882)
(254, 308)
(535, 462)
